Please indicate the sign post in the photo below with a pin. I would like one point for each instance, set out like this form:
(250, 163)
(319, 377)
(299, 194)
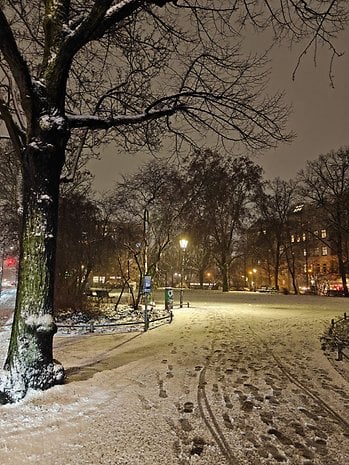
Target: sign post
(146, 291)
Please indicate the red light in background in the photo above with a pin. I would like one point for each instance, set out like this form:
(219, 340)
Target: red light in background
(10, 261)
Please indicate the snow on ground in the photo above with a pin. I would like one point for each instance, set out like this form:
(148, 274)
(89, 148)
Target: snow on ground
(236, 379)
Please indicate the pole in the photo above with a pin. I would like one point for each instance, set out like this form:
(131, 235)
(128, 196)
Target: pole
(183, 245)
(181, 289)
(146, 312)
(182, 273)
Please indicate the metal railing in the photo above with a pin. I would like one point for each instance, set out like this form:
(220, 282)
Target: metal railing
(335, 339)
(92, 327)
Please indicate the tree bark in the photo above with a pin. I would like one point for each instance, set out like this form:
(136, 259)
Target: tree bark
(29, 362)
(225, 277)
(277, 266)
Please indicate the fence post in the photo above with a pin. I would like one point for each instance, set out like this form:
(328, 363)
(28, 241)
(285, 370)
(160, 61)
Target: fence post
(339, 351)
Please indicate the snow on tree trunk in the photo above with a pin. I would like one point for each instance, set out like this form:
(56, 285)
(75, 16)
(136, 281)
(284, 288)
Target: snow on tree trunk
(29, 363)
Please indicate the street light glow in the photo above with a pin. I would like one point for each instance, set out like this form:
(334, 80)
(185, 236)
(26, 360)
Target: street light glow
(183, 243)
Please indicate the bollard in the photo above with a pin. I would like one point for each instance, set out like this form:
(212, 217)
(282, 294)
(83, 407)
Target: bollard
(168, 298)
(339, 352)
(146, 324)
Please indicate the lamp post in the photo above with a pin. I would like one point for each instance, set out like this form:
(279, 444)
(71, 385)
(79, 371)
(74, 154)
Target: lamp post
(183, 243)
(253, 278)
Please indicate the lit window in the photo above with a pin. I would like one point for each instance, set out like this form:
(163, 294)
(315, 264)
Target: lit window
(324, 250)
(323, 233)
(316, 233)
(292, 237)
(304, 237)
(305, 252)
(298, 208)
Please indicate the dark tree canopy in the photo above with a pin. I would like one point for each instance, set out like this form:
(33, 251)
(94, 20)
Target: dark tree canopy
(325, 183)
(222, 194)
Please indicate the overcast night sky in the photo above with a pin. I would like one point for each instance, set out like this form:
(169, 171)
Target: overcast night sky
(320, 116)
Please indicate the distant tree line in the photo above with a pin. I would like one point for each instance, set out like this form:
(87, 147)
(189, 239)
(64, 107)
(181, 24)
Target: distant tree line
(221, 204)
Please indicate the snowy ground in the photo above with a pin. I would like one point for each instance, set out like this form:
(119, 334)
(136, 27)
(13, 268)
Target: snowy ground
(236, 379)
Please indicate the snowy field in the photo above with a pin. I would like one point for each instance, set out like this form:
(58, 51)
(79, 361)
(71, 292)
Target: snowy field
(236, 379)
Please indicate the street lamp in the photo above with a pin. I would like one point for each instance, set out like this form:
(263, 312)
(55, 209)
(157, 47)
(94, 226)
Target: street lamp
(252, 274)
(255, 279)
(183, 244)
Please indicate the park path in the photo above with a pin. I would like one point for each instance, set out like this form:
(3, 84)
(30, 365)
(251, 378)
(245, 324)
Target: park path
(239, 380)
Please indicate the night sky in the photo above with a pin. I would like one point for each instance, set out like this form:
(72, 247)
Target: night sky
(320, 116)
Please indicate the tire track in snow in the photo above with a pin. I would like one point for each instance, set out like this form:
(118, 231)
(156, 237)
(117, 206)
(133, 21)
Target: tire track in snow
(293, 379)
(204, 406)
(211, 422)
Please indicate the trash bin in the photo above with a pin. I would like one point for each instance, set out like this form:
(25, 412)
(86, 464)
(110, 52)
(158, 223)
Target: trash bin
(168, 298)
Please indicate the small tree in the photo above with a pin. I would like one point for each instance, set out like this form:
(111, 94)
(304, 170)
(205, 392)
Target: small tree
(151, 201)
(83, 244)
(10, 197)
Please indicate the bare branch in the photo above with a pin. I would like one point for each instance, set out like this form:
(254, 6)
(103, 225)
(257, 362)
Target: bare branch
(97, 122)
(17, 64)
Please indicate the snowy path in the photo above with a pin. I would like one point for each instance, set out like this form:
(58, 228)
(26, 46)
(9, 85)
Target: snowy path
(241, 381)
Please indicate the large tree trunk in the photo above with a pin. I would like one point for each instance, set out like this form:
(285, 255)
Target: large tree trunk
(277, 266)
(29, 362)
(341, 266)
(225, 277)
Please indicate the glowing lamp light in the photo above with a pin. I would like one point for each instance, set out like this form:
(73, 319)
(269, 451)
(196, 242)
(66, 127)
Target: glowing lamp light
(183, 243)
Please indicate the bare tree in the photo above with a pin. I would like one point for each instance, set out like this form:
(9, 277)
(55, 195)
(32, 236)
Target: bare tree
(133, 69)
(325, 182)
(83, 245)
(151, 200)
(10, 190)
(221, 195)
(275, 203)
